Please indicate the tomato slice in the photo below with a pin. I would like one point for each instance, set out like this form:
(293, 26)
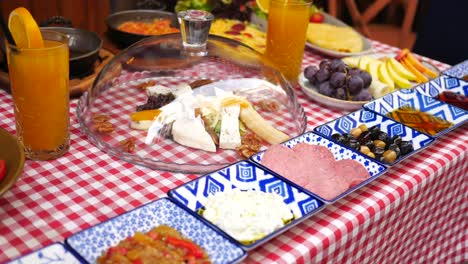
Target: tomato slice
(2, 169)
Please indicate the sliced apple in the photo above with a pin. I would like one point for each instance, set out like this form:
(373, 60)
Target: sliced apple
(363, 61)
(399, 80)
(401, 70)
(373, 69)
(351, 61)
(385, 77)
(378, 89)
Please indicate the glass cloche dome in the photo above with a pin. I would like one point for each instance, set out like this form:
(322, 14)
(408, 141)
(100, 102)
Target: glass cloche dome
(189, 102)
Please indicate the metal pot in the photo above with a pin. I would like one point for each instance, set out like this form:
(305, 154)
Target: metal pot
(84, 48)
(125, 39)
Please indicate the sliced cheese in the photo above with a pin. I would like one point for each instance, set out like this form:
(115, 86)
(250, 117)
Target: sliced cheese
(190, 132)
(229, 136)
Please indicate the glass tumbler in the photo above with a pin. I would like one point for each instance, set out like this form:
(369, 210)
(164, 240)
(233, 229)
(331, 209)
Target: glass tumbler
(39, 85)
(286, 35)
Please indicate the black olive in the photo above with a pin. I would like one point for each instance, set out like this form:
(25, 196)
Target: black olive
(395, 148)
(338, 137)
(370, 144)
(406, 147)
(379, 151)
(375, 130)
(396, 139)
(384, 137)
(347, 137)
(365, 136)
(354, 144)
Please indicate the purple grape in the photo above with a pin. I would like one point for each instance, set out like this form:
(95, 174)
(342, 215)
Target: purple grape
(340, 94)
(324, 64)
(338, 79)
(325, 89)
(354, 71)
(366, 77)
(355, 84)
(334, 64)
(364, 95)
(322, 75)
(310, 72)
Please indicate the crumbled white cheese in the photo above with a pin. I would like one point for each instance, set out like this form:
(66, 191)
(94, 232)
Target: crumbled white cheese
(247, 215)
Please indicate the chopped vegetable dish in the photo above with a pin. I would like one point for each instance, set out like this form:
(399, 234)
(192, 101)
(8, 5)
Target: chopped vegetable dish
(163, 245)
(157, 27)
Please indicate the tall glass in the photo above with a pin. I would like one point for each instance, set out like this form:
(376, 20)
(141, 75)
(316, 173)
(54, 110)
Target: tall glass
(39, 85)
(286, 35)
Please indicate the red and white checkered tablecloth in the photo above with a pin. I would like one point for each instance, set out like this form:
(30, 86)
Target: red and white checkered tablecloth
(414, 213)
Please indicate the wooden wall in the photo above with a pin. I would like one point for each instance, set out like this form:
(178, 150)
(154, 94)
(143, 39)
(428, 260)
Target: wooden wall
(86, 14)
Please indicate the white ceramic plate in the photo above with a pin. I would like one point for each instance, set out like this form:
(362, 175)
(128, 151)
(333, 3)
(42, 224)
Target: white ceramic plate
(366, 48)
(312, 92)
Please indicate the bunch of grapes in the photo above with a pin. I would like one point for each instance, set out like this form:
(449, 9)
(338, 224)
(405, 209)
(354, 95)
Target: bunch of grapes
(336, 79)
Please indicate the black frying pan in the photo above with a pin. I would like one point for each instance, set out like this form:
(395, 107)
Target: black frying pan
(125, 39)
(84, 48)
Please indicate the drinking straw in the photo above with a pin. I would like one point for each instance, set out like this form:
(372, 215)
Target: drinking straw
(5, 29)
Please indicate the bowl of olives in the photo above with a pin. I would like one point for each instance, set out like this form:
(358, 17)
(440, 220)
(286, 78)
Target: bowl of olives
(376, 136)
(335, 84)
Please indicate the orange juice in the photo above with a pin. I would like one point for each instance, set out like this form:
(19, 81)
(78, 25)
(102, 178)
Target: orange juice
(286, 35)
(39, 85)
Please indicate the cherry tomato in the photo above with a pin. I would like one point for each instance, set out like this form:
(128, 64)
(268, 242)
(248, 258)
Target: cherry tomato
(316, 18)
(2, 169)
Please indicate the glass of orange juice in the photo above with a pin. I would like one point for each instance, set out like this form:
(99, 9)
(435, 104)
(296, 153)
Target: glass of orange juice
(286, 35)
(39, 85)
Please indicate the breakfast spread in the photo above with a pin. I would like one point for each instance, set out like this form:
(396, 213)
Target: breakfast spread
(247, 215)
(328, 178)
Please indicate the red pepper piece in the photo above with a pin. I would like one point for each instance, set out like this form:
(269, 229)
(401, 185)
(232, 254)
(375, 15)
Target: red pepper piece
(191, 247)
(116, 250)
(2, 169)
(137, 261)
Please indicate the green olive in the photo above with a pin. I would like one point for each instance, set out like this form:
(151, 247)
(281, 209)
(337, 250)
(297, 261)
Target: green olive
(379, 143)
(363, 127)
(364, 149)
(356, 132)
(389, 155)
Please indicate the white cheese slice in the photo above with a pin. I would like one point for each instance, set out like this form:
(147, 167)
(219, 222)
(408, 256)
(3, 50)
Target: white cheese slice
(157, 89)
(229, 137)
(190, 132)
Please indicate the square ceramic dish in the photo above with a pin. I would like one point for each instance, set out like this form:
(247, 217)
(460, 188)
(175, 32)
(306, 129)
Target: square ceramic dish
(344, 125)
(245, 175)
(459, 71)
(94, 241)
(422, 103)
(374, 168)
(443, 83)
(55, 253)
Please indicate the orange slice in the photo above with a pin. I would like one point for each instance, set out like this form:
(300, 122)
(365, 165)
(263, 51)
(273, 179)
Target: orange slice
(264, 5)
(24, 29)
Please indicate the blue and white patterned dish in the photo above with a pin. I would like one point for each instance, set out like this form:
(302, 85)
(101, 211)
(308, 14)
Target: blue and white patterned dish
(443, 83)
(344, 125)
(423, 103)
(374, 168)
(55, 253)
(91, 243)
(459, 71)
(245, 175)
